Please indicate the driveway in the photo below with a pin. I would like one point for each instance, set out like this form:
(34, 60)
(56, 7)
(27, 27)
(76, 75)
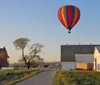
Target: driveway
(43, 78)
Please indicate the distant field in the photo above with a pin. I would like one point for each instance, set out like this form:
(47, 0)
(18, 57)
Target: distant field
(9, 77)
(77, 78)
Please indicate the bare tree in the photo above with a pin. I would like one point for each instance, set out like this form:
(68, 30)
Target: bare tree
(33, 57)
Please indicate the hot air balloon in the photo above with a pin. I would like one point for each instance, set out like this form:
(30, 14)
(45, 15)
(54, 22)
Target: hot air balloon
(69, 15)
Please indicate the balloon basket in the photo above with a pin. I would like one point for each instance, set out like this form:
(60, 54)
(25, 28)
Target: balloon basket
(69, 32)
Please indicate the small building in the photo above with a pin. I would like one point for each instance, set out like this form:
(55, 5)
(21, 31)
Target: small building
(3, 58)
(80, 57)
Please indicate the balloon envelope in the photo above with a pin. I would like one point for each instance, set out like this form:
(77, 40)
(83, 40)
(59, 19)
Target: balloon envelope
(69, 15)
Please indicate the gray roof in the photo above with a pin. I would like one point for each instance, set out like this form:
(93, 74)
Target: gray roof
(68, 51)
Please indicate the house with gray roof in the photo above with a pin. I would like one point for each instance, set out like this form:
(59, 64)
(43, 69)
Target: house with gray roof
(80, 57)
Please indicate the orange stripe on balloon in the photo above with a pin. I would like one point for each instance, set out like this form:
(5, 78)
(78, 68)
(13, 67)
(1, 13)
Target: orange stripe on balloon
(76, 17)
(62, 21)
(60, 16)
(64, 16)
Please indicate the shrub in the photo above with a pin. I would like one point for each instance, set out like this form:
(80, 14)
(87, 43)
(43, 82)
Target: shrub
(77, 78)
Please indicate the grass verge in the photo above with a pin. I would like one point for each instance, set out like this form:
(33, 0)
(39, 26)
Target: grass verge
(12, 82)
(77, 78)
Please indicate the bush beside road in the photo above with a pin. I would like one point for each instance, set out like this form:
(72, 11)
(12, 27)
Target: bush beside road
(10, 77)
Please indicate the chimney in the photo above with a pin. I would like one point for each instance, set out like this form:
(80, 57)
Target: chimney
(4, 47)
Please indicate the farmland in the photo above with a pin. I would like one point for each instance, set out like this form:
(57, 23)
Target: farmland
(77, 78)
(10, 77)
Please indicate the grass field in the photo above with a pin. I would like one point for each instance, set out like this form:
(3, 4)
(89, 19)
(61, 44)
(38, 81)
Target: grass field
(77, 78)
(10, 77)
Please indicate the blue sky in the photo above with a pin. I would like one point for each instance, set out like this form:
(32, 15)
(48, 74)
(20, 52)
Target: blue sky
(37, 20)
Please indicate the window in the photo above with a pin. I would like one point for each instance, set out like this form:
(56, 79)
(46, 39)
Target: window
(98, 66)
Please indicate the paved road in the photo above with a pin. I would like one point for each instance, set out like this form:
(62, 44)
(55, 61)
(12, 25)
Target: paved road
(43, 78)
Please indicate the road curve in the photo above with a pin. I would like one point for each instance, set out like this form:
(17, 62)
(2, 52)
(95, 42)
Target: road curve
(43, 78)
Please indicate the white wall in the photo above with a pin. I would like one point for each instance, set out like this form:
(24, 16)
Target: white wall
(96, 52)
(68, 65)
(84, 58)
(97, 56)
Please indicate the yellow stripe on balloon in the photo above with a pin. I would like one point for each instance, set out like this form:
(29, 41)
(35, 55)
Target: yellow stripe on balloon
(64, 16)
(75, 17)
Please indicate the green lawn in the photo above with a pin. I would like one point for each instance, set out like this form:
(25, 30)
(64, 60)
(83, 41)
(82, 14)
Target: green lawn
(10, 77)
(77, 78)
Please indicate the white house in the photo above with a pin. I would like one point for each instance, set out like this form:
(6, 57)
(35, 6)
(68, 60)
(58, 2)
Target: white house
(80, 57)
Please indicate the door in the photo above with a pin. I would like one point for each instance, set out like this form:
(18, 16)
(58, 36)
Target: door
(95, 64)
